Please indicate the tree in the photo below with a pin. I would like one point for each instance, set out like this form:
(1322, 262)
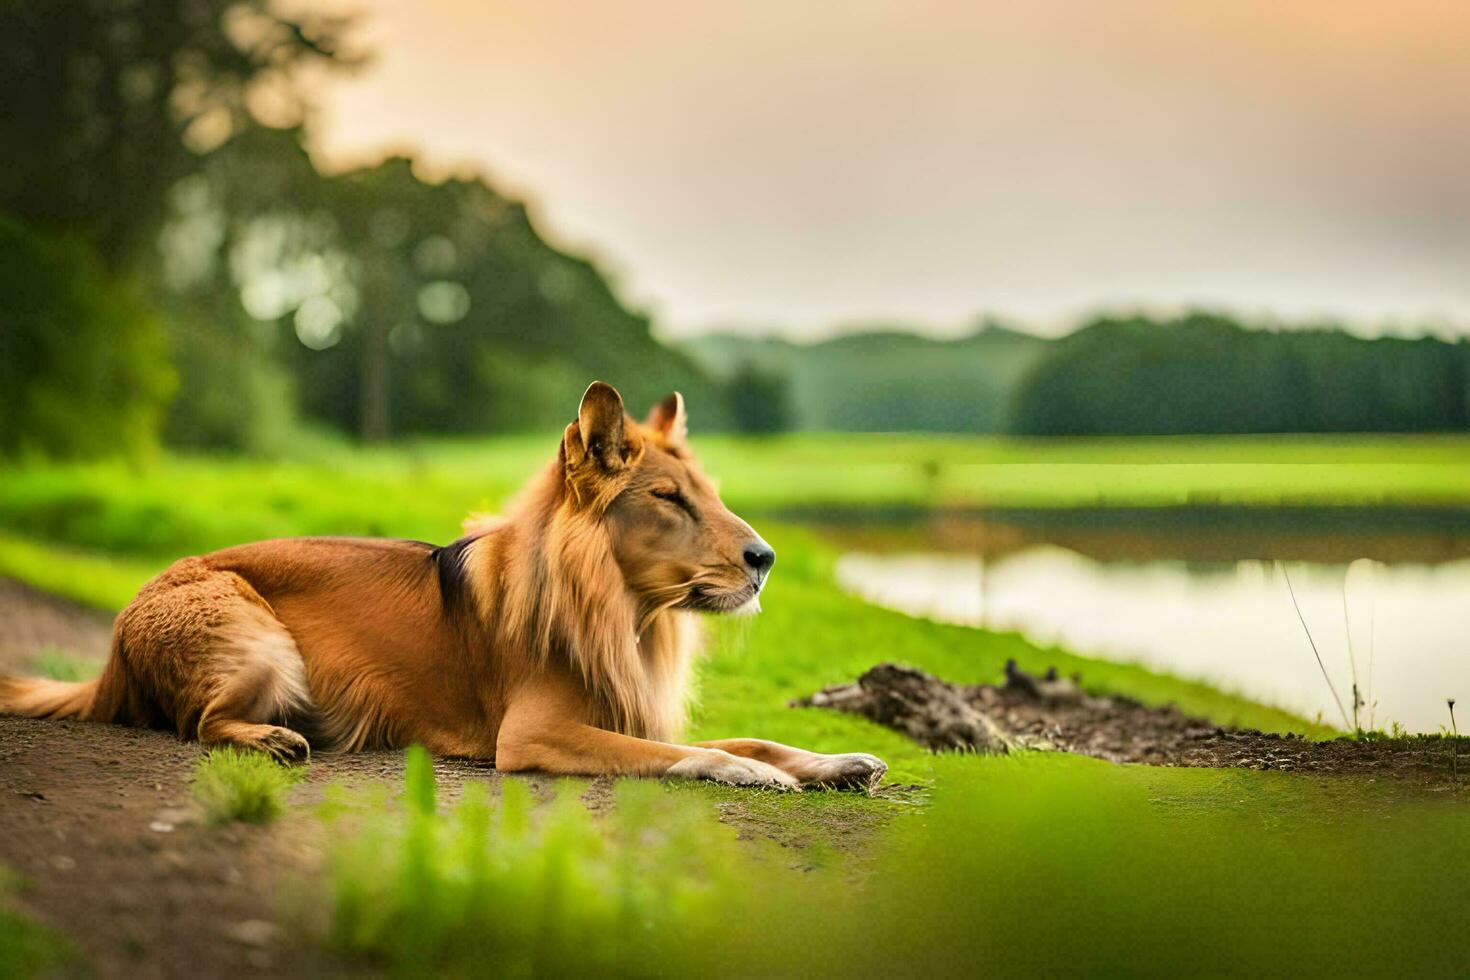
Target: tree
(109, 104)
(760, 401)
(82, 366)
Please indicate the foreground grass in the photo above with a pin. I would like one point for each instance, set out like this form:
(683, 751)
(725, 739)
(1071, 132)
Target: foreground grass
(1053, 865)
(184, 504)
(27, 948)
(245, 786)
(560, 894)
(1042, 865)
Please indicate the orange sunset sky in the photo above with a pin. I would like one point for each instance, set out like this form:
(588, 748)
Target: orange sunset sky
(797, 165)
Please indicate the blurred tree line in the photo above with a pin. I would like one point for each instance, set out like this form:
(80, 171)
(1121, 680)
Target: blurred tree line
(173, 263)
(1198, 373)
(878, 378)
(1206, 373)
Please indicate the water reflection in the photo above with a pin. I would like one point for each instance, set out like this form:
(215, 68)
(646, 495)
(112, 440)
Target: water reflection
(1401, 629)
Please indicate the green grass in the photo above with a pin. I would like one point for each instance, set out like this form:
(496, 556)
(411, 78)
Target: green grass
(1040, 865)
(554, 893)
(1058, 865)
(62, 666)
(918, 470)
(27, 948)
(96, 578)
(245, 786)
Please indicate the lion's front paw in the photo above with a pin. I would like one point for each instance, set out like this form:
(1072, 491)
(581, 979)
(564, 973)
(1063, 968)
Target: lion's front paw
(850, 770)
(719, 766)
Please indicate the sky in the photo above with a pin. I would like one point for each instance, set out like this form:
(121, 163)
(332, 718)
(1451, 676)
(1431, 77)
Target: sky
(798, 167)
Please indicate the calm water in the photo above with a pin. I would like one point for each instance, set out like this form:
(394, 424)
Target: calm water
(1230, 622)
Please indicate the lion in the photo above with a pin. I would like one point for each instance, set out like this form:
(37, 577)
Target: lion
(557, 638)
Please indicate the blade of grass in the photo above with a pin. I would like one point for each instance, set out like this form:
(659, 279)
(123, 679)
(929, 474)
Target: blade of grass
(1323, 667)
(1372, 644)
(1347, 628)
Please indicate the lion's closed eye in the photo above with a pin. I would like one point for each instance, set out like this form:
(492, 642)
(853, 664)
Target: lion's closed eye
(674, 496)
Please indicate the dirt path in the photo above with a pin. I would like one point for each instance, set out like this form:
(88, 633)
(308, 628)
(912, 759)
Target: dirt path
(101, 821)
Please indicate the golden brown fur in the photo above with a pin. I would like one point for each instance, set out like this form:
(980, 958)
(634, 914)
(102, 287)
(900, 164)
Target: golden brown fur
(558, 637)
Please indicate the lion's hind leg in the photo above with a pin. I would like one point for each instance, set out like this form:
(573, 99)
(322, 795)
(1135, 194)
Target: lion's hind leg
(259, 688)
(218, 662)
(276, 741)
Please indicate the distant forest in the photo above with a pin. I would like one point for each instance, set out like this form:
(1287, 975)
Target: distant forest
(175, 269)
(1197, 373)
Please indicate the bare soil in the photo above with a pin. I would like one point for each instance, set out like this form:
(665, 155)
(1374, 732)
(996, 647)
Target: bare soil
(101, 822)
(1051, 712)
(118, 857)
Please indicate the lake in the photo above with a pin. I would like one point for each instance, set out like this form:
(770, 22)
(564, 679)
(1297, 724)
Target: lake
(1206, 595)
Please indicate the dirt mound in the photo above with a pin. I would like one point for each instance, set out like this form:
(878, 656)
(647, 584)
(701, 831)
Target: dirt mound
(1052, 712)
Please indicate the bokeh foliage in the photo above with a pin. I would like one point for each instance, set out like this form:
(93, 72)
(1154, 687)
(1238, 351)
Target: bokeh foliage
(82, 359)
(165, 140)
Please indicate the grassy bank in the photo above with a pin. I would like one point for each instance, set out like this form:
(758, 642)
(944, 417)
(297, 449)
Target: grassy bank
(810, 634)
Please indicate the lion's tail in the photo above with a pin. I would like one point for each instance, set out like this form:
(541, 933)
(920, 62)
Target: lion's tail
(39, 697)
(99, 699)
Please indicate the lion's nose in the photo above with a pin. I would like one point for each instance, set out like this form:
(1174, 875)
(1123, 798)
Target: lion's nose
(760, 557)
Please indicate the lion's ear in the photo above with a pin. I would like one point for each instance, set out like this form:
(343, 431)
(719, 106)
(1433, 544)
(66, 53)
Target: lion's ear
(668, 419)
(600, 432)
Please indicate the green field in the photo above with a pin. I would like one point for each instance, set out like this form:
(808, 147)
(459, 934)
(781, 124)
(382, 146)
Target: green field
(983, 861)
(181, 504)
